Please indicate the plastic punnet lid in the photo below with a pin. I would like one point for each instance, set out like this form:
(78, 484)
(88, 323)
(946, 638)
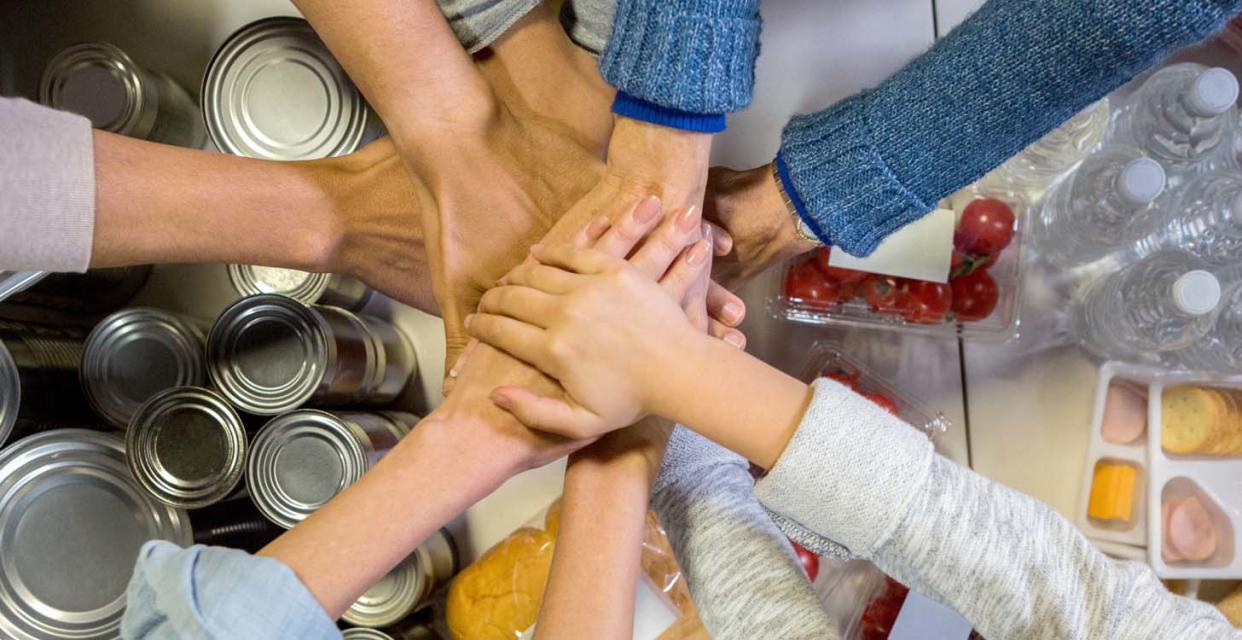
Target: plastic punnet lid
(1196, 292)
(1141, 181)
(1213, 92)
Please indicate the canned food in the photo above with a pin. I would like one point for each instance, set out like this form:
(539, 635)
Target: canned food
(187, 447)
(73, 298)
(71, 523)
(234, 523)
(101, 82)
(131, 355)
(301, 460)
(360, 633)
(274, 91)
(269, 354)
(39, 389)
(311, 288)
(409, 586)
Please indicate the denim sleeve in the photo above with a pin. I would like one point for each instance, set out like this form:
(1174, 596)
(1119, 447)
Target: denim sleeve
(683, 63)
(213, 593)
(1013, 71)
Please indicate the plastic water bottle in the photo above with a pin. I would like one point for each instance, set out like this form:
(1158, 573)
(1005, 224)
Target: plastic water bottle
(1205, 219)
(1221, 348)
(1161, 303)
(1105, 205)
(1033, 170)
(1184, 114)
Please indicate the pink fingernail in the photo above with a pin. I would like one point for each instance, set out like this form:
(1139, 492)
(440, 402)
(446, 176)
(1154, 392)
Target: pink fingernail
(647, 210)
(501, 400)
(736, 339)
(698, 253)
(732, 312)
(687, 219)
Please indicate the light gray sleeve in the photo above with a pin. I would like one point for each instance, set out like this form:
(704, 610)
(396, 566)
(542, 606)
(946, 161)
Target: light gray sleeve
(741, 571)
(1009, 564)
(589, 22)
(478, 23)
(47, 188)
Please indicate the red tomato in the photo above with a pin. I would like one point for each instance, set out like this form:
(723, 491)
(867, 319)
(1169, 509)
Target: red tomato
(886, 403)
(880, 292)
(848, 379)
(836, 273)
(810, 561)
(924, 302)
(974, 296)
(809, 285)
(881, 613)
(985, 229)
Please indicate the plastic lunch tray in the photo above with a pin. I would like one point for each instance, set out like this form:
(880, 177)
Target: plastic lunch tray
(1211, 478)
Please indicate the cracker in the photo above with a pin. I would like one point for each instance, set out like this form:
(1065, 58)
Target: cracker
(1190, 418)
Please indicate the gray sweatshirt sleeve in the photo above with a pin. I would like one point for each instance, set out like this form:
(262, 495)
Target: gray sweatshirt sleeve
(741, 571)
(47, 188)
(1008, 563)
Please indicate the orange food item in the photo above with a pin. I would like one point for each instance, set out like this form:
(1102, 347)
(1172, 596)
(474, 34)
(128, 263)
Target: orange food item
(498, 597)
(1112, 492)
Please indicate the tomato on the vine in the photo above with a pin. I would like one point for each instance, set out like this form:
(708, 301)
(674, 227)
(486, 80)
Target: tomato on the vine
(924, 302)
(985, 229)
(809, 285)
(881, 293)
(974, 296)
(810, 561)
(839, 274)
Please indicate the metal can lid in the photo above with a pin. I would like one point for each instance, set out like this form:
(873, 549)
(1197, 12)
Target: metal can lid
(133, 354)
(71, 524)
(301, 460)
(10, 393)
(362, 633)
(273, 90)
(187, 447)
(268, 354)
(302, 286)
(99, 81)
(394, 597)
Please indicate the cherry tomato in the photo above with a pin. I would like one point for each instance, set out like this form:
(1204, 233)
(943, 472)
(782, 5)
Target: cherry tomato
(809, 285)
(880, 292)
(837, 273)
(886, 403)
(810, 561)
(924, 302)
(974, 296)
(985, 229)
(844, 377)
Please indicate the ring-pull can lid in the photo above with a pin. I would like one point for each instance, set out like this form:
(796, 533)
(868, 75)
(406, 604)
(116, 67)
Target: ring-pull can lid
(101, 82)
(187, 447)
(274, 91)
(394, 597)
(71, 522)
(301, 460)
(363, 633)
(302, 286)
(267, 354)
(131, 355)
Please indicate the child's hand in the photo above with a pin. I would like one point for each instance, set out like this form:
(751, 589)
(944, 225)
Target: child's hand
(599, 326)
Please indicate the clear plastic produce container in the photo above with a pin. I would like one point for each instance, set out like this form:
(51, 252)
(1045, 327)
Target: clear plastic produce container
(980, 301)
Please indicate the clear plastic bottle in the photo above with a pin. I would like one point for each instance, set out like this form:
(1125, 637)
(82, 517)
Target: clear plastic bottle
(1204, 219)
(1105, 205)
(1185, 114)
(1161, 303)
(1033, 170)
(1221, 348)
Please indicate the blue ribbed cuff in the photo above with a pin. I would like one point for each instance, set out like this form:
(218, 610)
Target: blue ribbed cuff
(847, 192)
(799, 204)
(639, 109)
(696, 56)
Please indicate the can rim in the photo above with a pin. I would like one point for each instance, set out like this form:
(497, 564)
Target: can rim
(101, 54)
(396, 603)
(10, 393)
(184, 341)
(364, 633)
(247, 393)
(263, 483)
(351, 122)
(246, 282)
(154, 476)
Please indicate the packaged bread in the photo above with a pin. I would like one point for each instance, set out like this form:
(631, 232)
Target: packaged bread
(498, 597)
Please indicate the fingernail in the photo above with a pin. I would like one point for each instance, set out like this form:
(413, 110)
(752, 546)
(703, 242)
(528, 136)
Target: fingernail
(468, 320)
(647, 210)
(501, 400)
(698, 253)
(687, 219)
(732, 312)
(723, 243)
(706, 230)
(736, 339)
(598, 227)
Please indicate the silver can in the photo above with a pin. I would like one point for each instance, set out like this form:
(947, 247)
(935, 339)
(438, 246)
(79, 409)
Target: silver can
(311, 288)
(71, 522)
(187, 447)
(101, 82)
(38, 383)
(269, 354)
(360, 633)
(273, 90)
(301, 460)
(131, 355)
(409, 586)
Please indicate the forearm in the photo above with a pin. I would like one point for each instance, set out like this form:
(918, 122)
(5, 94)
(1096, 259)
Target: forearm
(433, 475)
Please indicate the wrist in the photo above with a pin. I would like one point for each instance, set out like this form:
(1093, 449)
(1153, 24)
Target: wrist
(319, 191)
(673, 391)
(671, 162)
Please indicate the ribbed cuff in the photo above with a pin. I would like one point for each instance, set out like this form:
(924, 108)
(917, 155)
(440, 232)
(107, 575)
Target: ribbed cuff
(696, 56)
(639, 109)
(848, 194)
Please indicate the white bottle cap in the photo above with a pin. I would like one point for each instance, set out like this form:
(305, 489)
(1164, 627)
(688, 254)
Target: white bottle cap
(1141, 181)
(1196, 292)
(1212, 93)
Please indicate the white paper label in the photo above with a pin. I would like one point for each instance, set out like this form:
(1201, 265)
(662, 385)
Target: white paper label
(922, 250)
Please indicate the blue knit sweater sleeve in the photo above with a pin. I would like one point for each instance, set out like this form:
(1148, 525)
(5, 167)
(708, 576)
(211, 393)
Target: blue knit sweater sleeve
(682, 63)
(1013, 71)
